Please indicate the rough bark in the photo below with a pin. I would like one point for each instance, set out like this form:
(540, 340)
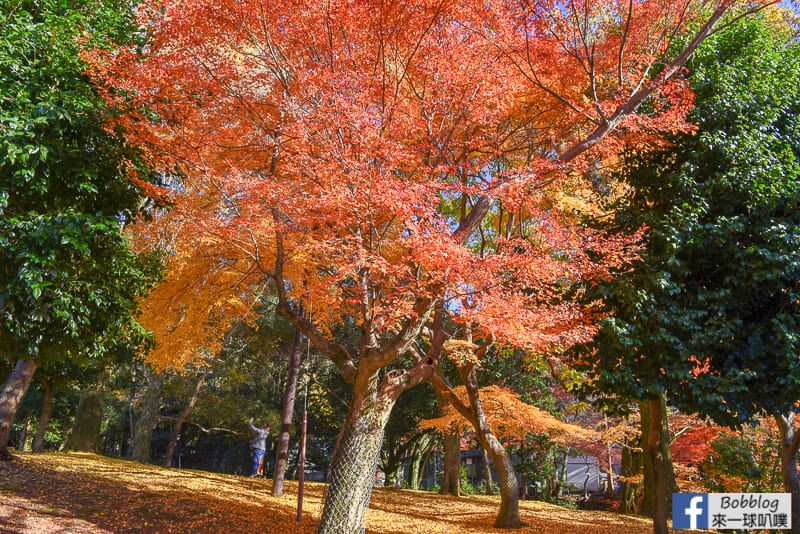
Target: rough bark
(487, 473)
(631, 483)
(148, 418)
(10, 398)
(85, 433)
(25, 440)
(282, 452)
(420, 452)
(356, 456)
(44, 420)
(659, 478)
(175, 432)
(451, 483)
(451, 477)
(790, 440)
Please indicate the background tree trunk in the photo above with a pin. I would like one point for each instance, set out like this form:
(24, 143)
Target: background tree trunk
(610, 489)
(790, 440)
(175, 432)
(44, 420)
(420, 453)
(659, 478)
(508, 515)
(487, 473)
(631, 483)
(282, 451)
(451, 476)
(85, 433)
(25, 441)
(148, 418)
(451, 483)
(10, 397)
(557, 482)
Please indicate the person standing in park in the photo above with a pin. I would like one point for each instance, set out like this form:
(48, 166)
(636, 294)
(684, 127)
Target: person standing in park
(259, 446)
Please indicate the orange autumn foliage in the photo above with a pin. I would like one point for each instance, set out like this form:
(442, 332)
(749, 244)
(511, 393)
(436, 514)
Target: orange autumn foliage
(200, 297)
(354, 154)
(353, 122)
(510, 418)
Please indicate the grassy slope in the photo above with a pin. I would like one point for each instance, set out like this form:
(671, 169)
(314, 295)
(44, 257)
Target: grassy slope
(87, 493)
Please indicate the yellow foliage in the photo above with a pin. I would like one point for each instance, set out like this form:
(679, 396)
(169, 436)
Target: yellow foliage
(462, 353)
(202, 295)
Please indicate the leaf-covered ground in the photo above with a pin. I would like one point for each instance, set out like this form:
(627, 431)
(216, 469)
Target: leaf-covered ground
(82, 493)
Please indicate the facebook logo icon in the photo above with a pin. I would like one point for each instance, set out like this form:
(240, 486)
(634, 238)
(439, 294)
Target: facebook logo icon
(690, 510)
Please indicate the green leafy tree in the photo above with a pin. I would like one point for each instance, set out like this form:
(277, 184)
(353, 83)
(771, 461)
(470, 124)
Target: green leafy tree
(710, 316)
(68, 280)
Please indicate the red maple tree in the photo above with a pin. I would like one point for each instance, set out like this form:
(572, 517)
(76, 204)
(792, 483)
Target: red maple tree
(384, 161)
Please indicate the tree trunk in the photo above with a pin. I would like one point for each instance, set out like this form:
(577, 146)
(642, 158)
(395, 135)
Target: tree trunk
(44, 420)
(451, 477)
(85, 433)
(414, 472)
(415, 468)
(10, 397)
(659, 479)
(392, 460)
(790, 440)
(610, 489)
(557, 482)
(282, 452)
(487, 473)
(631, 485)
(25, 440)
(451, 483)
(175, 432)
(393, 475)
(420, 453)
(148, 418)
(393, 455)
(352, 469)
(508, 516)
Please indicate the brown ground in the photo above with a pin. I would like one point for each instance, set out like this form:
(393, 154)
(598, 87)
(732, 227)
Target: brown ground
(83, 493)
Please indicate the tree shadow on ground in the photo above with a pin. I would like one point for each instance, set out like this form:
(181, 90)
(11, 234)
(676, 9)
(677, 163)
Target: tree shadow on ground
(124, 497)
(86, 493)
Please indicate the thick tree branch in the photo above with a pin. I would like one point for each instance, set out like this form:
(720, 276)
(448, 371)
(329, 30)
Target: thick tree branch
(400, 344)
(399, 380)
(337, 352)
